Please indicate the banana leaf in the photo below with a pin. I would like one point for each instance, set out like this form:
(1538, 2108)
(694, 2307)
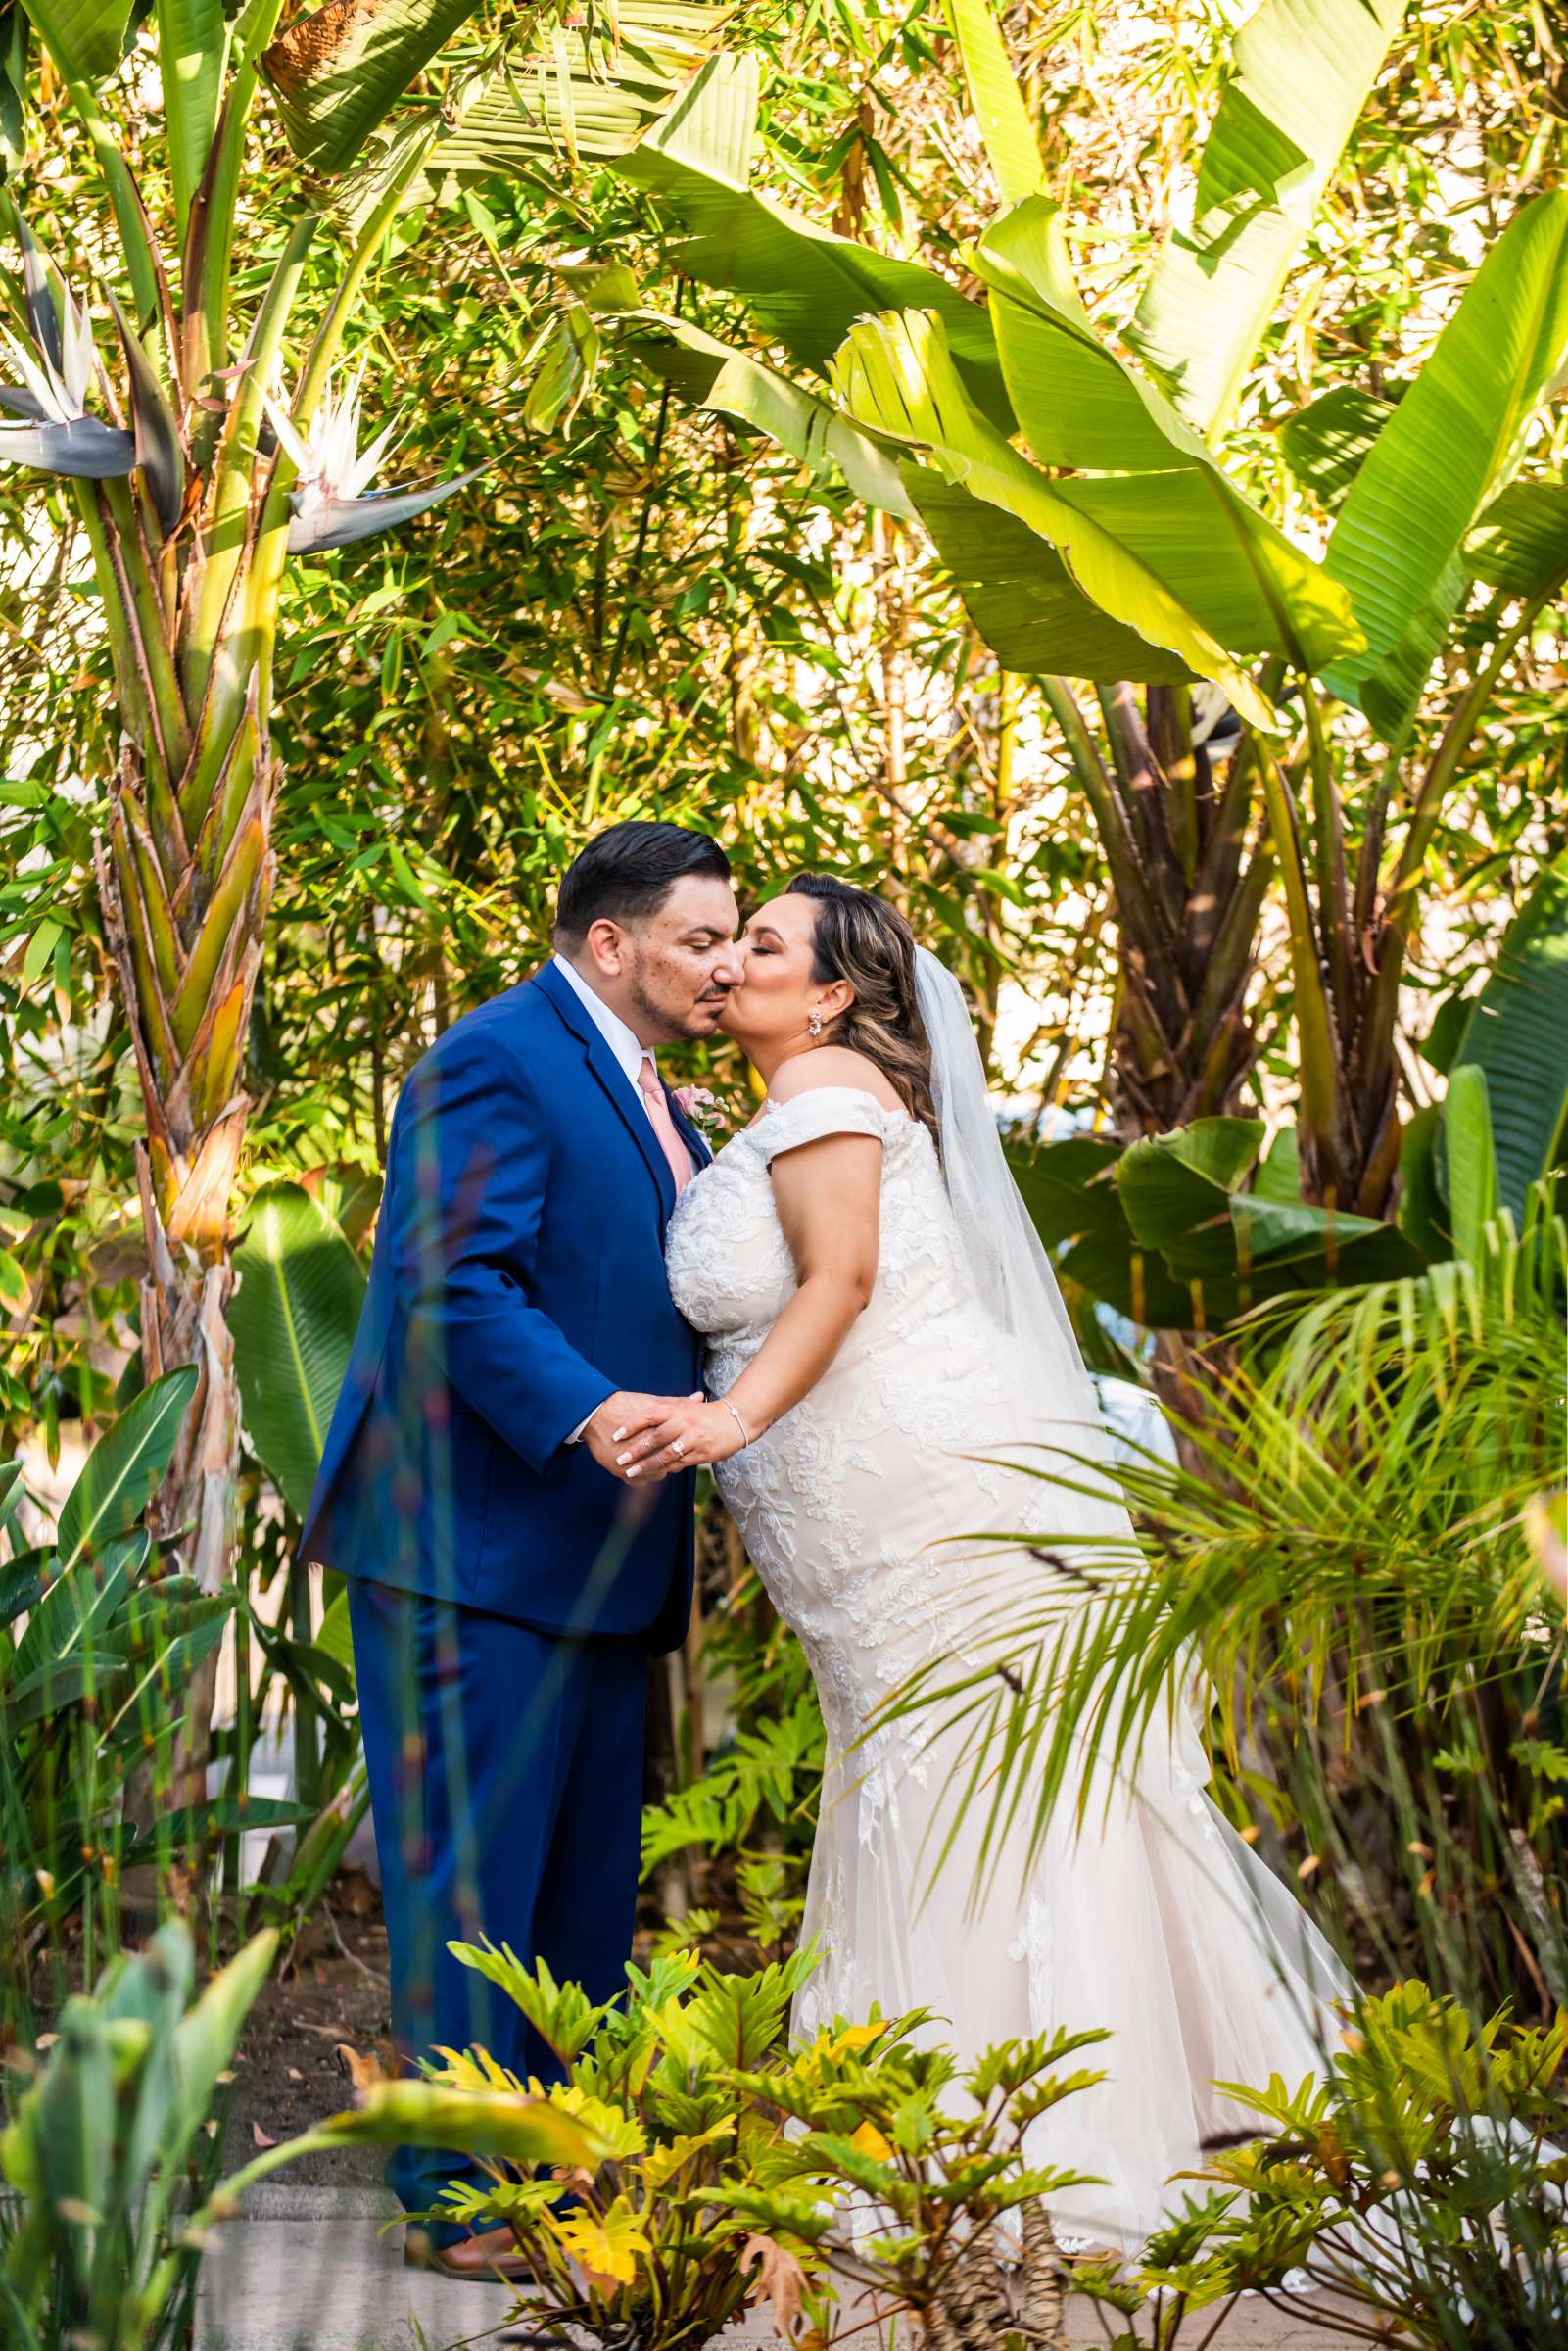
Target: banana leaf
(1468, 1160)
(1299, 74)
(896, 377)
(1444, 454)
(1005, 127)
(1082, 408)
(87, 38)
(804, 285)
(79, 1607)
(339, 71)
(1517, 1038)
(1326, 442)
(1023, 599)
(293, 1316)
(1164, 1233)
(126, 1468)
(1520, 543)
(712, 376)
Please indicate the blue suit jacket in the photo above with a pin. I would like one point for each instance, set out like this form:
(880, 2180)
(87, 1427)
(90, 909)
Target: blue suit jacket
(518, 1279)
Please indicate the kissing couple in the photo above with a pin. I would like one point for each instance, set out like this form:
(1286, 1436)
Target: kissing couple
(845, 1311)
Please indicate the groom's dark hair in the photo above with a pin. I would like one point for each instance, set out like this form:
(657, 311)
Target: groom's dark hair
(628, 871)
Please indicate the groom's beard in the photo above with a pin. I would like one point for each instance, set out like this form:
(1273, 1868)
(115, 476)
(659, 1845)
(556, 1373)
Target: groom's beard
(690, 1020)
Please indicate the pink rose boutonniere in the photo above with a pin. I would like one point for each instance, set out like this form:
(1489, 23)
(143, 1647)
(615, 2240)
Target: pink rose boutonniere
(694, 1102)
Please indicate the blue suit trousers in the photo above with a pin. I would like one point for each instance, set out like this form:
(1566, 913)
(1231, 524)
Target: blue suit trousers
(506, 1771)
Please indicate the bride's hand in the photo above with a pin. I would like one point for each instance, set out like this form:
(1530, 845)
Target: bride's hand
(693, 1435)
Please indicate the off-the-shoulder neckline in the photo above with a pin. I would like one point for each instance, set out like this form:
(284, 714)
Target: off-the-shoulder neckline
(811, 1093)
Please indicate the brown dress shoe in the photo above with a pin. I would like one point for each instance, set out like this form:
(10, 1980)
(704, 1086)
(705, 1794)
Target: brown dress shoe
(481, 2258)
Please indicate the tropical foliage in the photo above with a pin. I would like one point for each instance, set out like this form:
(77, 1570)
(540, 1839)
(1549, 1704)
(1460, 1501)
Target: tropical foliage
(1093, 475)
(1119, 548)
(207, 471)
(1347, 1567)
(1418, 2193)
(101, 1648)
(104, 2142)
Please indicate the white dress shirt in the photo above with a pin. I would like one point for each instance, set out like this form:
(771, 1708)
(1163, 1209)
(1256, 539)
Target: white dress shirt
(628, 1049)
(624, 1043)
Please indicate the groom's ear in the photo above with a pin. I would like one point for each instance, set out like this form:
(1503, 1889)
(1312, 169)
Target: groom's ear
(604, 943)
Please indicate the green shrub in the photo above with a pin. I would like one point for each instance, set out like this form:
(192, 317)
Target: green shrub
(92, 1688)
(104, 2140)
(1418, 2194)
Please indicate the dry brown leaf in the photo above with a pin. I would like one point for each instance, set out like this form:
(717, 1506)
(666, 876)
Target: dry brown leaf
(363, 2072)
(294, 2074)
(780, 2278)
(260, 2136)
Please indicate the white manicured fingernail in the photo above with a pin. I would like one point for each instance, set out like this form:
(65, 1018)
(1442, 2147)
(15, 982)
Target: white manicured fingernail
(621, 1460)
(616, 1435)
(631, 1472)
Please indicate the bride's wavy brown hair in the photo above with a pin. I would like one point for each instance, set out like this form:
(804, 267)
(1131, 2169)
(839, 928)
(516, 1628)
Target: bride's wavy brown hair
(862, 939)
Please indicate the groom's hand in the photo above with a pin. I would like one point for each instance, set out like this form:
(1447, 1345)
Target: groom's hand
(619, 1418)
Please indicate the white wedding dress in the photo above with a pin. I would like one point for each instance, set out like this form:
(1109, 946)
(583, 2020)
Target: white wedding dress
(859, 1510)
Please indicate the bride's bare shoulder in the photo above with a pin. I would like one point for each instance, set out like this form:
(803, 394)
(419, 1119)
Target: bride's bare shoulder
(832, 1064)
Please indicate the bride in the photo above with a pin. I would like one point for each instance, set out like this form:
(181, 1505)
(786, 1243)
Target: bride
(884, 1333)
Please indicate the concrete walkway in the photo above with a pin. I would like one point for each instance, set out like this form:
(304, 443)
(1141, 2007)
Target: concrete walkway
(303, 2269)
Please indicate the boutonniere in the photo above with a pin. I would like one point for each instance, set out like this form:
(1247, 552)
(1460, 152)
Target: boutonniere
(704, 1110)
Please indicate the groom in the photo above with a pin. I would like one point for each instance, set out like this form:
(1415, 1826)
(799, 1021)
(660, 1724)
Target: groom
(506, 1586)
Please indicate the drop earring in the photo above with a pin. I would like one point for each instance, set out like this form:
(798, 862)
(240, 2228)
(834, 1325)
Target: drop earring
(815, 1024)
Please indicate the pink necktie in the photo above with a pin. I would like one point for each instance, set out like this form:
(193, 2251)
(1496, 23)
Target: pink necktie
(675, 1151)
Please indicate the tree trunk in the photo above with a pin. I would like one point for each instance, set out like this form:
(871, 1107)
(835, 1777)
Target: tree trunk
(986, 2305)
(186, 935)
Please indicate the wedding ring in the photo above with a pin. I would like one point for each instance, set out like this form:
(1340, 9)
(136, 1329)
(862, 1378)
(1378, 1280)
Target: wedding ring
(678, 1446)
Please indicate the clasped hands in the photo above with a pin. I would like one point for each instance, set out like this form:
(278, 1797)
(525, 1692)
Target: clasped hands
(639, 1439)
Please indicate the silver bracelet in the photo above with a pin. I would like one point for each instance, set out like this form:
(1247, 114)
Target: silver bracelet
(736, 1417)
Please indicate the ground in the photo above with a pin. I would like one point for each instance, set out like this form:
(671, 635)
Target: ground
(329, 1994)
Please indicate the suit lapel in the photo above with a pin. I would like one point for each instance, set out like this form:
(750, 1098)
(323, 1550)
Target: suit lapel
(613, 1078)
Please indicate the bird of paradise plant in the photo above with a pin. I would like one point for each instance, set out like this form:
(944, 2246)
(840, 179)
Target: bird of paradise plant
(199, 457)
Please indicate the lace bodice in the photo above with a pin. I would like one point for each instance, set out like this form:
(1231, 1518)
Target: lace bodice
(730, 1270)
(841, 1500)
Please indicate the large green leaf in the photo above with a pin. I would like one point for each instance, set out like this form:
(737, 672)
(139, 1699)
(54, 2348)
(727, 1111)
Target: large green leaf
(1520, 541)
(1447, 447)
(427, 2113)
(804, 285)
(1299, 74)
(339, 72)
(1156, 484)
(1517, 1038)
(1469, 1160)
(1065, 1187)
(566, 96)
(999, 108)
(84, 38)
(1021, 597)
(1172, 1239)
(71, 1623)
(126, 1468)
(1326, 442)
(1170, 1182)
(895, 376)
(192, 39)
(294, 1318)
(713, 375)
